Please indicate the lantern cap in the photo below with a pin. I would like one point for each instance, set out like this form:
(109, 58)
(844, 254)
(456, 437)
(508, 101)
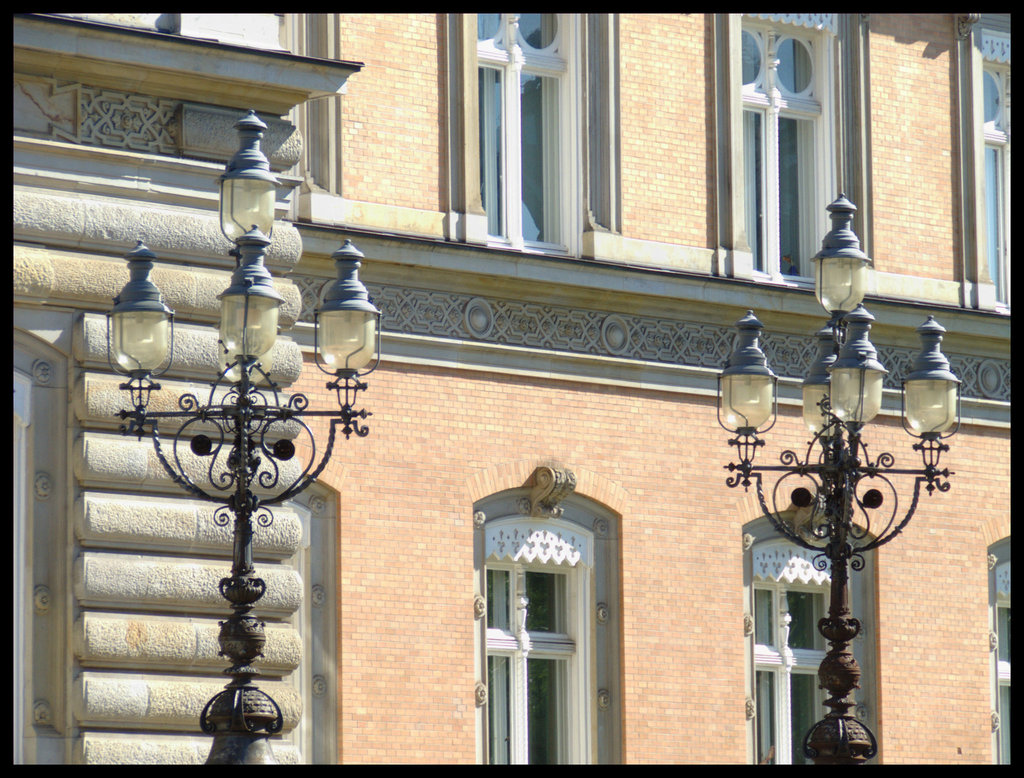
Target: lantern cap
(841, 242)
(140, 293)
(858, 352)
(931, 364)
(251, 277)
(347, 292)
(826, 356)
(747, 358)
(249, 161)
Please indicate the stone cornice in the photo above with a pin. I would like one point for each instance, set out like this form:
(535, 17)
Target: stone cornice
(169, 65)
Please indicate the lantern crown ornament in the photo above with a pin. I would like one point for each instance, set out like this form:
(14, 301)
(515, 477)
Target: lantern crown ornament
(247, 187)
(746, 384)
(841, 270)
(140, 326)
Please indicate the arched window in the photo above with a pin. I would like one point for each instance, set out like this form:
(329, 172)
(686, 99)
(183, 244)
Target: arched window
(548, 630)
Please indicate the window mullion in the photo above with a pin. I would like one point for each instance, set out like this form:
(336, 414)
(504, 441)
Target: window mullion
(513, 141)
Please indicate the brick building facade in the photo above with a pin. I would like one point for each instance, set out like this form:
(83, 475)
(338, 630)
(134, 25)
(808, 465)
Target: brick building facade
(673, 171)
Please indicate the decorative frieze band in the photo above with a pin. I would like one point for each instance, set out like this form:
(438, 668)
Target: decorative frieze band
(560, 328)
(96, 116)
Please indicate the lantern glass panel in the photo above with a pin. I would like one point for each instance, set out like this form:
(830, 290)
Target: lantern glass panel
(813, 394)
(347, 338)
(248, 324)
(841, 283)
(855, 394)
(930, 405)
(140, 339)
(746, 400)
(244, 203)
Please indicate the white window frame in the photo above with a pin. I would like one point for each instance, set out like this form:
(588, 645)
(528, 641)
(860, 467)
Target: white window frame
(767, 97)
(1002, 666)
(509, 53)
(784, 662)
(996, 134)
(528, 552)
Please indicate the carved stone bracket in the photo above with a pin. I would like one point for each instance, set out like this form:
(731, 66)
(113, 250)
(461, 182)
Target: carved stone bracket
(550, 487)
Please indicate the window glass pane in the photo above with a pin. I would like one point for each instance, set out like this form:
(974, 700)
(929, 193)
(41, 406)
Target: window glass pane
(794, 67)
(1003, 615)
(545, 693)
(795, 149)
(539, 117)
(1004, 725)
(499, 743)
(498, 600)
(545, 610)
(805, 608)
(765, 721)
(753, 180)
(764, 618)
(804, 713)
(487, 26)
(751, 58)
(993, 211)
(491, 120)
(991, 97)
(538, 30)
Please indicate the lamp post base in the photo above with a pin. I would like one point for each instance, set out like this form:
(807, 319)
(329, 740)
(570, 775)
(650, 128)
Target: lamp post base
(840, 740)
(239, 748)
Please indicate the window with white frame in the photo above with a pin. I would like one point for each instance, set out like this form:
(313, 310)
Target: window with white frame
(997, 178)
(1001, 630)
(788, 597)
(788, 148)
(526, 98)
(538, 606)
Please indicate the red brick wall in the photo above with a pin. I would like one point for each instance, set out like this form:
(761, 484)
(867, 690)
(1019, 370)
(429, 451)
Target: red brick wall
(392, 133)
(663, 94)
(913, 151)
(439, 436)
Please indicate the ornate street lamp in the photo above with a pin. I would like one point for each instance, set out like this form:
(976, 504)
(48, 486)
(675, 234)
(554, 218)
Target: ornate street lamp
(241, 434)
(835, 478)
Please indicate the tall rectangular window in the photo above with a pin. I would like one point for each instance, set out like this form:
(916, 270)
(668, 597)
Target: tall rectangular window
(526, 161)
(531, 652)
(786, 144)
(997, 192)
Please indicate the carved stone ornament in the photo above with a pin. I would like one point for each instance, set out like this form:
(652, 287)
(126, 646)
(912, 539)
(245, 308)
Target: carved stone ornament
(604, 699)
(749, 708)
(480, 694)
(550, 541)
(551, 486)
(479, 607)
(779, 560)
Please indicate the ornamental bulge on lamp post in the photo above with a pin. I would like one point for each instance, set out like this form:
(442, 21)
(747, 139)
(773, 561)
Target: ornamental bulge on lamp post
(240, 437)
(842, 487)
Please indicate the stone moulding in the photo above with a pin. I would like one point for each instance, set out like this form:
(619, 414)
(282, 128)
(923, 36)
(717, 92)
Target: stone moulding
(161, 643)
(145, 523)
(172, 584)
(156, 703)
(103, 225)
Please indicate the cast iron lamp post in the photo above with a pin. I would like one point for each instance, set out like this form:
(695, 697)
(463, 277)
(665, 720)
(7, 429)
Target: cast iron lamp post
(837, 483)
(244, 428)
